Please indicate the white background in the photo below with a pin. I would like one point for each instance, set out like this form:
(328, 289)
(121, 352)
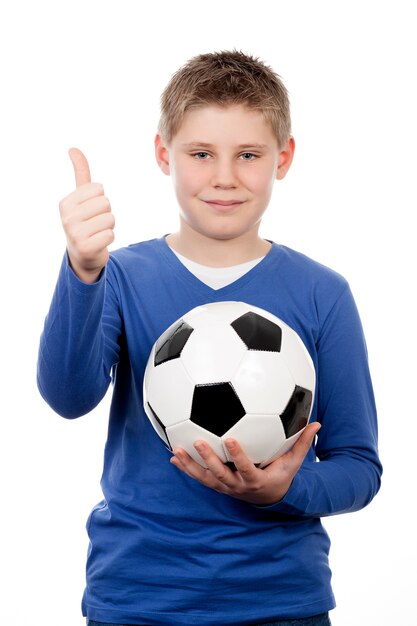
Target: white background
(89, 74)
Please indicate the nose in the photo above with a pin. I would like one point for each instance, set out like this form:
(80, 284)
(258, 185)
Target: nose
(224, 175)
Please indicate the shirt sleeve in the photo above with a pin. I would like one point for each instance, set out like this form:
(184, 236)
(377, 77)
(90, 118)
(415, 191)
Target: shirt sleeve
(343, 472)
(79, 344)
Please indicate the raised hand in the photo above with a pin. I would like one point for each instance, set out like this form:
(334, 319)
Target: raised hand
(257, 486)
(88, 222)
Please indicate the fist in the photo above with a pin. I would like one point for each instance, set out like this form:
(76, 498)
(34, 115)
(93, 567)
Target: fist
(88, 222)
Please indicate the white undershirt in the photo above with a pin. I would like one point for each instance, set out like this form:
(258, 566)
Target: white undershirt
(217, 277)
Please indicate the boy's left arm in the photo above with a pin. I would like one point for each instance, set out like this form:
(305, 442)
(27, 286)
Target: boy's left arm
(349, 472)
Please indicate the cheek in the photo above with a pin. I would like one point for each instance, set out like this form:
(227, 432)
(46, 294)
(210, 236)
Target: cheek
(261, 183)
(187, 182)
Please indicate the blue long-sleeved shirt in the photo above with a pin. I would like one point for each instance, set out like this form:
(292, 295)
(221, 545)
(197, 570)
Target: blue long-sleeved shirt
(164, 549)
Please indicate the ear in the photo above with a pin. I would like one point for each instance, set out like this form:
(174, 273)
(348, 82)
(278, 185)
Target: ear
(286, 156)
(162, 155)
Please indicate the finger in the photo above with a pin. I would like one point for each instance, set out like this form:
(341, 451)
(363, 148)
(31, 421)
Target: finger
(242, 462)
(83, 230)
(220, 471)
(80, 195)
(81, 167)
(304, 442)
(97, 205)
(96, 244)
(184, 462)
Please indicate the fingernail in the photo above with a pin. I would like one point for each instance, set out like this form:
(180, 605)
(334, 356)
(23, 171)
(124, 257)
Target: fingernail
(199, 446)
(231, 444)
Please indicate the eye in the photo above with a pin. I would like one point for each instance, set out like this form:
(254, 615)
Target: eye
(248, 156)
(200, 156)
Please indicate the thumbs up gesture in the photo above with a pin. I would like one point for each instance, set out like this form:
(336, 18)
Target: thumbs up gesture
(88, 222)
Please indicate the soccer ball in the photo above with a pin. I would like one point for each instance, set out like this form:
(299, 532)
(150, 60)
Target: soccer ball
(230, 369)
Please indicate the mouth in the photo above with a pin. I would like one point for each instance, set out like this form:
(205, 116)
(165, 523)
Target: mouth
(224, 205)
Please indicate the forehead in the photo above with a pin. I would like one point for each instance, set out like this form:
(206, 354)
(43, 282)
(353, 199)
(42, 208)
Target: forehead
(221, 125)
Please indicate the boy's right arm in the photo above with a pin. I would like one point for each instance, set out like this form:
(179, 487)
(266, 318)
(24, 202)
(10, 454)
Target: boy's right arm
(79, 343)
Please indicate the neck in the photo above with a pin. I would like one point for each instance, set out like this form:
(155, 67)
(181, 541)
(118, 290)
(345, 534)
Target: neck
(218, 252)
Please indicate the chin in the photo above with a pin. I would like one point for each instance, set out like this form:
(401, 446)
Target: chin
(223, 229)
(223, 235)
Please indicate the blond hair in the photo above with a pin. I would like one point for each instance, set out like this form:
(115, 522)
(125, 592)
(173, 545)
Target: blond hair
(225, 78)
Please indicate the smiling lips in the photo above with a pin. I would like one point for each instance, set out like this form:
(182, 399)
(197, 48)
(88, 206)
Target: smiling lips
(224, 203)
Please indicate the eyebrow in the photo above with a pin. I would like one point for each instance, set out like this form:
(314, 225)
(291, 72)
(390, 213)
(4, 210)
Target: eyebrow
(202, 144)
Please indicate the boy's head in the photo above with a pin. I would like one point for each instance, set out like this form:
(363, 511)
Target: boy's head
(225, 78)
(224, 138)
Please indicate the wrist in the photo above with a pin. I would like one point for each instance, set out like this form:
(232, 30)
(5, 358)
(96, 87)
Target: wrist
(84, 275)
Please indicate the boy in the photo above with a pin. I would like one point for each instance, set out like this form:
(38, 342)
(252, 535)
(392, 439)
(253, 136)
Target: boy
(173, 543)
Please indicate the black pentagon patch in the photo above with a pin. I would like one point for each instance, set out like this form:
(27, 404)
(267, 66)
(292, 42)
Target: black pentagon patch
(258, 333)
(171, 343)
(295, 415)
(163, 430)
(216, 407)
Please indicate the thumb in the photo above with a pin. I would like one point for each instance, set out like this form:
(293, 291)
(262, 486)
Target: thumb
(303, 443)
(81, 168)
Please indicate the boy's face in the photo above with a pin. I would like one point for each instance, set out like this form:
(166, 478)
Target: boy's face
(223, 163)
